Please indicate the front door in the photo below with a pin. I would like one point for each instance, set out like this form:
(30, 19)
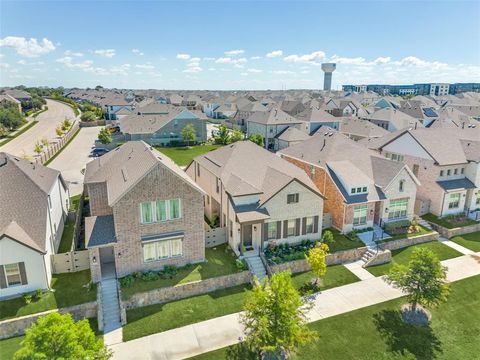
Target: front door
(107, 262)
(378, 213)
(247, 236)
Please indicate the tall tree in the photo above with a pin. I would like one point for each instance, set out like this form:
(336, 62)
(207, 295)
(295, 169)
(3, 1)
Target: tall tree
(57, 336)
(104, 136)
(423, 279)
(274, 318)
(223, 135)
(189, 134)
(257, 139)
(236, 135)
(316, 259)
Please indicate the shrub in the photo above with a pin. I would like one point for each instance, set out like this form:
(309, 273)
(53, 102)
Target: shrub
(137, 275)
(38, 294)
(28, 298)
(393, 226)
(127, 281)
(150, 276)
(170, 270)
(327, 238)
(241, 264)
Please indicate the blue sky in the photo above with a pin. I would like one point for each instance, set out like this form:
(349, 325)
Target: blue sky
(237, 44)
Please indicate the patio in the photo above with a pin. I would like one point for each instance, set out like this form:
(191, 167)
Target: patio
(369, 238)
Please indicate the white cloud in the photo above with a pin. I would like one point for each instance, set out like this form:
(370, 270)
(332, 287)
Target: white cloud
(71, 53)
(183, 56)
(312, 58)
(234, 52)
(223, 60)
(255, 57)
(275, 53)
(109, 53)
(282, 72)
(28, 47)
(254, 70)
(244, 74)
(21, 62)
(138, 52)
(193, 69)
(68, 62)
(238, 63)
(351, 61)
(194, 59)
(382, 60)
(120, 69)
(145, 66)
(4, 65)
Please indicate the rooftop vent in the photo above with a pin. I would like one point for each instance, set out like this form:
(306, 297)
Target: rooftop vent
(124, 174)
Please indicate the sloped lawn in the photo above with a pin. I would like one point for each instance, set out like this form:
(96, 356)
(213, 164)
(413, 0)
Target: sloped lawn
(470, 241)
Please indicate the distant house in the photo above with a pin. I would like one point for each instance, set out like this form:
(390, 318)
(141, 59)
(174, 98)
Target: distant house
(257, 196)
(392, 119)
(113, 104)
(146, 213)
(362, 189)
(316, 116)
(34, 202)
(20, 95)
(357, 129)
(161, 124)
(269, 124)
(290, 136)
(6, 99)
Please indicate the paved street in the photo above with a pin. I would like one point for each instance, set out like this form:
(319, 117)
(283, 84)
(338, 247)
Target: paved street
(47, 122)
(74, 157)
(216, 333)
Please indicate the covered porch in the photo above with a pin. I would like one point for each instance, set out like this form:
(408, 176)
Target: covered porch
(251, 228)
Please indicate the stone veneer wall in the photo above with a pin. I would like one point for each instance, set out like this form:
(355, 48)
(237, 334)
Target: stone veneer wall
(338, 257)
(401, 243)
(448, 233)
(382, 257)
(16, 326)
(172, 293)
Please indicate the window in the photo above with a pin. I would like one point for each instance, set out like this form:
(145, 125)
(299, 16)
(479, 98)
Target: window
(449, 172)
(309, 225)
(217, 185)
(415, 169)
(292, 198)
(462, 170)
(12, 274)
(354, 190)
(291, 227)
(160, 210)
(398, 209)
(478, 198)
(164, 249)
(272, 230)
(364, 189)
(359, 189)
(401, 186)
(454, 201)
(455, 172)
(360, 215)
(441, 172)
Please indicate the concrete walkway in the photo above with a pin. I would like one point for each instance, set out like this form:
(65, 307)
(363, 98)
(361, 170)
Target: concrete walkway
(356, 267)
(455, 246)
(220, 332)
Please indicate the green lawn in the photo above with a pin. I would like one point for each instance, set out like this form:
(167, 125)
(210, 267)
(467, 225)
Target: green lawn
(67, 237)
(378, 333)
(470, 241)
(18, 133)
(183, 156)
(8, 347)
(74, 202)
(446, 223)
(423, 231)
(342, 242)
(402, 256)
(220, 261)
(161, 317)
(69, 290)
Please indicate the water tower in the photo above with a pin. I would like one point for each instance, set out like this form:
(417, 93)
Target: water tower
(328, 69)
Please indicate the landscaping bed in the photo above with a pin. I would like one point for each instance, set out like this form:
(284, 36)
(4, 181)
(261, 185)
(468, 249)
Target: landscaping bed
(220, 260)
(470, 241)
(403, 233)
(402, 256)
(69, 289)
(450, 221)
(183, 156)
(377, 332)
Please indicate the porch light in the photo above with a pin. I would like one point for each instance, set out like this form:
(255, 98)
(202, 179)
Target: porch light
(94, 259)
(386, 210)
(254, 227)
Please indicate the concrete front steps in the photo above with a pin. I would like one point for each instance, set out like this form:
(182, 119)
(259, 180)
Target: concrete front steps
(256, 266)
(424, 223)
(112, 326)
(368, 255)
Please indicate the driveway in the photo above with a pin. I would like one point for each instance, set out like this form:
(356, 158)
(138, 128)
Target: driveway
(47, 122)
(74, 157)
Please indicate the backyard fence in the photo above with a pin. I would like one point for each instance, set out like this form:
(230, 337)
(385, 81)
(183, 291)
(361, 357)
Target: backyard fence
(71, 261)
(215, 237)
(51, 149)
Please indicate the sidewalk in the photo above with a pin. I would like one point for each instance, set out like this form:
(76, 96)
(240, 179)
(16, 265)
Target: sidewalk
(216, 333)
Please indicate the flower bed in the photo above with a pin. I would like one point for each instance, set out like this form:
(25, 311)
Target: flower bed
(280, 253)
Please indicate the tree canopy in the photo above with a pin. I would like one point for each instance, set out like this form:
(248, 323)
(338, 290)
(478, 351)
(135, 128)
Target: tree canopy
(10, 116)
(189, 134)
(57, 336)
(104, 136)
(257, 139)
(316, 259)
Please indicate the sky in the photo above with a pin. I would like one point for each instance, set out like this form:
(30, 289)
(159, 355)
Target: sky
(241, 45)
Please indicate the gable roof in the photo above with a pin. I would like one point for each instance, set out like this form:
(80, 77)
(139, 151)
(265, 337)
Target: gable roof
(274, 116)
(292, 134)
(241, 176)
(396, 117)
(16, 233)
(124, 166)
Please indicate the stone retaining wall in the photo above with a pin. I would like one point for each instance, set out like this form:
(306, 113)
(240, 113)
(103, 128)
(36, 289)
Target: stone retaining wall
(172, 293)
(401, 243)
(16, 326)
(338, 257)
(448, 233)
(382, 257)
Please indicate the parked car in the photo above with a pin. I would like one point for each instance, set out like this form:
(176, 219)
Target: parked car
(99, 152)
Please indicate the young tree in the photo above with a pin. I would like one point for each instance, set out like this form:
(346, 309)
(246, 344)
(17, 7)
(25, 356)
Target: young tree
(223, 135)
(59, 131)
(88, 116)
(57, 336)
(327, 238)
(236, 135)
(38, 148)
(189, 134)
(423, 279)
(316, 259)
(274, 318)
(104, 136)
(66, 124)
(257, 139)
(44, 141)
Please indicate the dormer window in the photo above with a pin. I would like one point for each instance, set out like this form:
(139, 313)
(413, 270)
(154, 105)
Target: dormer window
(359, 190)
(292, 198)
(364, 189)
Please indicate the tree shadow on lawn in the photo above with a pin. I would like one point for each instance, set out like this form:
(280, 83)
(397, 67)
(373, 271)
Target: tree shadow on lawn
(403, 338)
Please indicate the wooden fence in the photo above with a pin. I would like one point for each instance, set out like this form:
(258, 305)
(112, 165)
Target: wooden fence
(71, 261)
(214, 237)
(51, 149)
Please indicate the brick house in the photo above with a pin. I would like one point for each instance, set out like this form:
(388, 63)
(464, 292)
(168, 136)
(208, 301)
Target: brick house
(445, 160)
(362, 189)
(257, 196)
(145, 212)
